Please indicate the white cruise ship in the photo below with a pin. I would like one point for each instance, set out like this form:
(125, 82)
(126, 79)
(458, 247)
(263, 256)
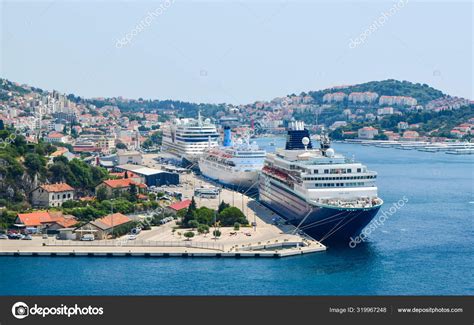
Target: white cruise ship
(237, 165)
(188, 138)
(325, 194)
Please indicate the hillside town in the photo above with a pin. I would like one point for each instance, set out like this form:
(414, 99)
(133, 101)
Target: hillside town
(84, 128)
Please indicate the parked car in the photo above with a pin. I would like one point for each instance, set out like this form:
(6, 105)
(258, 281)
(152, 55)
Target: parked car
(166, 220)
(132, 237)
(27, 237)
(3, 236)
(13, 235)
(88, 237)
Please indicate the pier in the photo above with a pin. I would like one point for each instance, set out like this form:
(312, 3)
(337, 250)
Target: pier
(118, 248)
(453, 148)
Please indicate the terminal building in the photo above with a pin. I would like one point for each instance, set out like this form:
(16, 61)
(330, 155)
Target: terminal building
(150, 176)
(120, 158)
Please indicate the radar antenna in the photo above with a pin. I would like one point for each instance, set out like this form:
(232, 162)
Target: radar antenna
(325, 142)
(305, 142)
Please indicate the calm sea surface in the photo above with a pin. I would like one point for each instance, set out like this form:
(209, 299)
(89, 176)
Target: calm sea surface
(425, 248)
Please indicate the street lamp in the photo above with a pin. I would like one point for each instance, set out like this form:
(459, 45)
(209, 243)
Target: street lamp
(215, 224)
(112, 214)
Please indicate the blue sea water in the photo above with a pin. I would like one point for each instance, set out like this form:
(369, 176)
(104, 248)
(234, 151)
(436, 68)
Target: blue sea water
(425, 248)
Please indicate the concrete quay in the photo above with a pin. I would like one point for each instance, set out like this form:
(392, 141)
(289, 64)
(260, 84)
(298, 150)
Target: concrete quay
(39, 247)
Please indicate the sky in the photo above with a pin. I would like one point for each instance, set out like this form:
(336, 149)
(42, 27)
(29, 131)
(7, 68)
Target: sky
(233, 51)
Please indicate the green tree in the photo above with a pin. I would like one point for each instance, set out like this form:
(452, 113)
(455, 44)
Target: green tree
(203, 229)
(216, 233)
(231, 215)
(156, 138)
(189, 235)
(190, 214)
(101, 194)
(60, 159)
(222, 206)
(121, 145)
(192, 206)
(205, 215)
(58, 171)
(7, 219)
(193, 224)
(34, 163)
(133, 192)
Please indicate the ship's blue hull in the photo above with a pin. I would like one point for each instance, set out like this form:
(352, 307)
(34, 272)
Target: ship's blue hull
(325, 224)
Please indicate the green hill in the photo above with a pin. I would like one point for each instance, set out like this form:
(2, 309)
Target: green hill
(421, 92)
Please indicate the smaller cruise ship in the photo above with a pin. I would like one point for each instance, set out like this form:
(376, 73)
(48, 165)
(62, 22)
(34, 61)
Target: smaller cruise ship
(234, 164)
(188, 138)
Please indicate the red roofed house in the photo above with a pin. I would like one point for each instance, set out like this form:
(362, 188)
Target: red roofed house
(60, 220)
(175, 207)
(367, 132)
(117, 186)
(43, 219)
(411, 135)
(54, 137)
(52, 195)
(103, 227)
(34, 220)
(457, 133)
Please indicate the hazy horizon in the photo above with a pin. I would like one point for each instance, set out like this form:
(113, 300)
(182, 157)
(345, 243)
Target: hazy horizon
(236, 52)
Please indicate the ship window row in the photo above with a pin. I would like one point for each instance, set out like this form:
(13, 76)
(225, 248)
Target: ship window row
(338, 171)
(251, 154)
(339, 184)
(338, 178)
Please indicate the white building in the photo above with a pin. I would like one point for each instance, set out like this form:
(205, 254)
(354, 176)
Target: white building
(367, 132)
(334, 97)
(358, 97)
(129, 157)
(55, 137)
(52, 195)
(385, 111)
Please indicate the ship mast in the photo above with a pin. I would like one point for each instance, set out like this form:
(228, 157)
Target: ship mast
(199, 118)
(325, 142)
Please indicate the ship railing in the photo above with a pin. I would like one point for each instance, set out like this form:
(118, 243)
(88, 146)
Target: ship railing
(359, 203)
(136, 243)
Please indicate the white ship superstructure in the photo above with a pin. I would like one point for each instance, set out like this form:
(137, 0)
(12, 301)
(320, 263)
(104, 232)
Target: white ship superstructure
(188, 138)
(237, 165)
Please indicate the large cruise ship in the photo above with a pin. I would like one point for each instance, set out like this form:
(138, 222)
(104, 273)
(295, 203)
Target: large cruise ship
(328, 196)
(235, 164)
(188, 138)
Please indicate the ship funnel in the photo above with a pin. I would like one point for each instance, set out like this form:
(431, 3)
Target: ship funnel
(227, 137)
(296, 133)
